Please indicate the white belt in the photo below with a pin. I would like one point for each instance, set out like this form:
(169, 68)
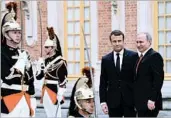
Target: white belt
(51, 82)
(14, 86)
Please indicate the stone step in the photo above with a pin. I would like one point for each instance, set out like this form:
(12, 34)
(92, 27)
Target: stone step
(63, 106)
(40, 113)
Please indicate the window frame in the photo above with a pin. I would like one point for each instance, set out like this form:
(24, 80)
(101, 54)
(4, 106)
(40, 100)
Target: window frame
(82, 43)
(156, 34)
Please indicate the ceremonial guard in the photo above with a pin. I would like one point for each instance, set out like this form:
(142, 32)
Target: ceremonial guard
(85, 79)
(54, 72)
(16, 72)
(84, 100)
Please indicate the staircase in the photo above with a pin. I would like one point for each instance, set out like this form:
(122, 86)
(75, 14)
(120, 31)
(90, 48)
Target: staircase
(166, 112)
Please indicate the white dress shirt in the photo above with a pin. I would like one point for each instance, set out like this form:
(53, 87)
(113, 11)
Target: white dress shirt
(120, 55)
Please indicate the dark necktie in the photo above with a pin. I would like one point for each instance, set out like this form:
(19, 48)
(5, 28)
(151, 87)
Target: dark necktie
(140, 58)
(118, 62)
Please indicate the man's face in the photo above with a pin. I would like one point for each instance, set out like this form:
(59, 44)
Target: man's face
(117, 43)
(142, 43)
(15, 36)
(48, 50)
(88, 104)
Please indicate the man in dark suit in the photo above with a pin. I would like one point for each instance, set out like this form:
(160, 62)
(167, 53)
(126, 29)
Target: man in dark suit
(116, 79)
(149, 77)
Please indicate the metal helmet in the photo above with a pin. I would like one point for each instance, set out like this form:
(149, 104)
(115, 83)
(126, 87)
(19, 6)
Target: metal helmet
(10, 26)
(83, 80)
(50, 42)
(83, 93)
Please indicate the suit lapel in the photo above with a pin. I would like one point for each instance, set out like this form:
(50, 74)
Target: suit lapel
(125, 54)
(145, 57)
(111, 58)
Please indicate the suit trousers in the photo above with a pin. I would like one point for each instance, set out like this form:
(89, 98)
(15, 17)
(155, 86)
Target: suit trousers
(122, 110)
(148, 113)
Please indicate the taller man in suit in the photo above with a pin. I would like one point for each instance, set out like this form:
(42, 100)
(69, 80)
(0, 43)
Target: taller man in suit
(117, 77)
(149, 76)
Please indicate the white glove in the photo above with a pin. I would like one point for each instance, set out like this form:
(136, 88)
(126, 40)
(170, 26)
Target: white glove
(28, 63)
(61, 92)
(21, 62)
(41, 62)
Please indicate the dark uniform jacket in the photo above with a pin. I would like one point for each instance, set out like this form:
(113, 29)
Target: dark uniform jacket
(12, 77)
(56, 72)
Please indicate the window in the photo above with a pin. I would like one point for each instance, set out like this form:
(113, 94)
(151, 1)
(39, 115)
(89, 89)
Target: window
(76, 20)
(162, 33)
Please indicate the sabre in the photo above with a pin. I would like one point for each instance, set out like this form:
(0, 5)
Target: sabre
(91, 72)
(57, 109)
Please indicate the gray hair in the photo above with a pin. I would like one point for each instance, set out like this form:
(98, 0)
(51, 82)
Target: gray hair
(148, 36)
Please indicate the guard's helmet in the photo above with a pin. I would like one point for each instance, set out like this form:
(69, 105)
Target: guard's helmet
(83, 93)
(82, 81)
(50, 42)
(10, 26)
(9, 21)
(53, 41)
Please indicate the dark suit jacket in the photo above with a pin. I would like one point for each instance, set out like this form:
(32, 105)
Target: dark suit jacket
(114, 83)
(149, 80)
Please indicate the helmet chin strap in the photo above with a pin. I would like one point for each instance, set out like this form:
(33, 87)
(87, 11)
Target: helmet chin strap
(50, 52)
(86, 111)
(10, 38)
(80, 107)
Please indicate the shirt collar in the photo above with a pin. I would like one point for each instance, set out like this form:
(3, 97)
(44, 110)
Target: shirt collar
(120, 53)
(139, 53)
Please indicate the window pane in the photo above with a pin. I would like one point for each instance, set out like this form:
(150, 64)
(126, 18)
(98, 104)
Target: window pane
(161, 38)
(86, 13)
(168, 37)
(70, 28)
(77, 3)
(70, 41)
(161, 23)
(77, 68)
(77, 54)
(70, 14)
(70, 55)
(168, 7)
(86, 28)
(168, 66)
(86, 3)
(77, 27)
(70, 68)
(168, 52)
(77, 13)
(161, 8)
(70, 3)
(161, 50)
(168, 22)
(77, 41)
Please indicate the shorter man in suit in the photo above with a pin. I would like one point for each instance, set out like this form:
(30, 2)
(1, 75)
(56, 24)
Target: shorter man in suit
(149, 77)
(116, 79)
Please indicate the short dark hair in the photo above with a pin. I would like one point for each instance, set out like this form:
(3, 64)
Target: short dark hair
(117, 33)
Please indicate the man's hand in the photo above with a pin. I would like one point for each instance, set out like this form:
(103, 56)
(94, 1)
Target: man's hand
(151, 105)
(104, 108)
